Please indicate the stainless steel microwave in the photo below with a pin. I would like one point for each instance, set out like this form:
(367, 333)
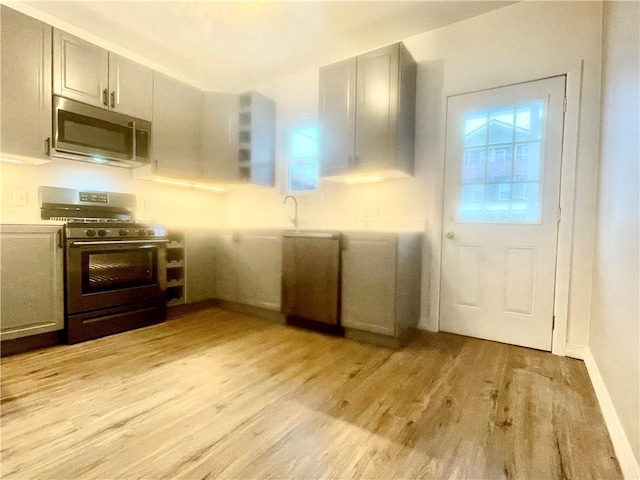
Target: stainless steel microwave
(92, 134)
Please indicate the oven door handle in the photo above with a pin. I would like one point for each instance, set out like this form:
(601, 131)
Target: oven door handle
(117, 242)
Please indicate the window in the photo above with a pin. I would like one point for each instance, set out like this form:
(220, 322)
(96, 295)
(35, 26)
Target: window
(501, 164)
(303, 158)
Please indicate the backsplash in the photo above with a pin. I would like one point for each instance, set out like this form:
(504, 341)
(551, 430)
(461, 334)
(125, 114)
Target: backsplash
(161, 203)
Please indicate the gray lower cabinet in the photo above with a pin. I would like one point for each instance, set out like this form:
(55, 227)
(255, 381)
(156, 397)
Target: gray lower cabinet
(381, 275)
(31, 280)
(249, 268)
(25, 96)
(200, 266)
(177, 129)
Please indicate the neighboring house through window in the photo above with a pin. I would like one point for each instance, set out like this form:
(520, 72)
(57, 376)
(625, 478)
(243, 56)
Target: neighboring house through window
(303, 157)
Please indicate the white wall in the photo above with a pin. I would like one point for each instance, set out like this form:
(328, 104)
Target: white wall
(171, 205)
(526, 41)
(615, 315)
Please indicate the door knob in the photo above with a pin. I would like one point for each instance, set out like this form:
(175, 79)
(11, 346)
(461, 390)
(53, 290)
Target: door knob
(449, 235)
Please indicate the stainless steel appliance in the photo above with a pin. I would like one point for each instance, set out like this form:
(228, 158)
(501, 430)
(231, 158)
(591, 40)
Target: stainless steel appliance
(311, 280)
(92, 134)
(115, 268)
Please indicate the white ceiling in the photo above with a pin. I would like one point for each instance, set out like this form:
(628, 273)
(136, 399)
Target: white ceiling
(235, 45)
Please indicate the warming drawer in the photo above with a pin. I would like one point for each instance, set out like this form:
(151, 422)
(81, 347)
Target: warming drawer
(311, 280)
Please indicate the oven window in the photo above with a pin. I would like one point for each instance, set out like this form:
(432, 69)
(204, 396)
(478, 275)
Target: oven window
(103, 271)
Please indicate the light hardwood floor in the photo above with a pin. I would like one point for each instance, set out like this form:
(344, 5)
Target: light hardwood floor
(215, 394)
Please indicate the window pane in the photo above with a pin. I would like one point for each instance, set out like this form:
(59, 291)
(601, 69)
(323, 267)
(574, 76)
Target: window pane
(473, 165)
(529, 120)
(527, 162)
(501, 125)
(475, 128)
(304, 142)
(524, 203)
(499, 164)
(502, 164)
(303, 175)
(303, 160)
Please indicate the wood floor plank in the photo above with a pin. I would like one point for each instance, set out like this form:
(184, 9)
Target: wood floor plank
(216, 394)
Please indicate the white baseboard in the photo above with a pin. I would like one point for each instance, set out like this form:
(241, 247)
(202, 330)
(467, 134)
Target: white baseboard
(575, 351)
(624, 452)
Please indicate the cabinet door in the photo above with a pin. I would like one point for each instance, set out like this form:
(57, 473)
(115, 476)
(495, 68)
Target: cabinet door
(130, 87)
(226, 276)
(25, 96)
(263, 140)
(80, 69)
(377, 100)
(369, 283)
(337, 111)
(260, 270)
(200, 266)
(177, 128)
(31, 281)
(220, 137)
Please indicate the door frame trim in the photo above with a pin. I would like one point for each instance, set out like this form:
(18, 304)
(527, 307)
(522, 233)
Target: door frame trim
(568, 175)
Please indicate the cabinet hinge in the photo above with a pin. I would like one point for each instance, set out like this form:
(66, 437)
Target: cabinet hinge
(564, 104)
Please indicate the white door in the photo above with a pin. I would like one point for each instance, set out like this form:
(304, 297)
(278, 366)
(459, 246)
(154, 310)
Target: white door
(501, 212)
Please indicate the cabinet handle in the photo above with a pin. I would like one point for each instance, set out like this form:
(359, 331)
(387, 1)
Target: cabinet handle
(113, 99)
(105, 94)
(47, 146)
(60, 239)
(350, 162)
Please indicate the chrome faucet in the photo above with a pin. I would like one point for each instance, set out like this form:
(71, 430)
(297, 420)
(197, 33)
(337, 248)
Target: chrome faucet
(293, 219)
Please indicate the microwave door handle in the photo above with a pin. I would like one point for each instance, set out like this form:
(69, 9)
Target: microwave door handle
(133, 140)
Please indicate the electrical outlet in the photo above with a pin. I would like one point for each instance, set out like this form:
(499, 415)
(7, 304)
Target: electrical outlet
(20, 198)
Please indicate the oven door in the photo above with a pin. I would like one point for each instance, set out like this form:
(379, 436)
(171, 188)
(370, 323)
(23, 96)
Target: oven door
(110, 273)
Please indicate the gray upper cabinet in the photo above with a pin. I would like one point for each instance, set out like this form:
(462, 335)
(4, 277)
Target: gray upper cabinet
(367, 113)
(130, 87)
(337, 117)
(256, 139)
(90, 74)
(177, 128)
(31, 280)
(239, 138)
(220, 137)
(25, 96)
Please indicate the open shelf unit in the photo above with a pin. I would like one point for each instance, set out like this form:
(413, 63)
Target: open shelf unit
(175, 268)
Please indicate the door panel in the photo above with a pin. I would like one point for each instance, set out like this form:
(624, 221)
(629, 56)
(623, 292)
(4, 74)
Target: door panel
(502, 188)
(337, 117)
(81, 69)
(131, 87)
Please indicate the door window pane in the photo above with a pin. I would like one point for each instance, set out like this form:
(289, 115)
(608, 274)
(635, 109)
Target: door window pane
(502, 164)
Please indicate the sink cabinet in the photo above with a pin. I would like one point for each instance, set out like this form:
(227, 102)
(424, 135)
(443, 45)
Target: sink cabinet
(90, 74)
(31, 280)
(25, 96)
(381, 275)
(367, 113)
(249, 268)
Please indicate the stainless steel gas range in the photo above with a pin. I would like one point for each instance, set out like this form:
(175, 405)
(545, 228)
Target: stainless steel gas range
(115, 267)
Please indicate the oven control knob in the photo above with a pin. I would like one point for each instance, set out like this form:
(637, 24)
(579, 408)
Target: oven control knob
(91, 233)
(151, 233)
(142, 232)
(123, 232)
(102, 232)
